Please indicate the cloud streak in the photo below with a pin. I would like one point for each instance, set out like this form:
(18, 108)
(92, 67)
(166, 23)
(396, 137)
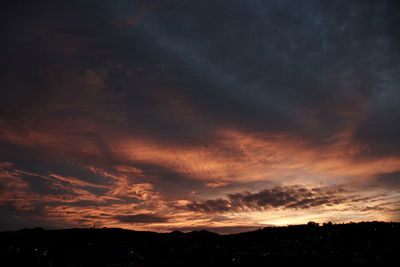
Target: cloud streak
(294, 197)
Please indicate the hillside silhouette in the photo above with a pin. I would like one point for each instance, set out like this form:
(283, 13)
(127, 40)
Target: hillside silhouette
(365, 243)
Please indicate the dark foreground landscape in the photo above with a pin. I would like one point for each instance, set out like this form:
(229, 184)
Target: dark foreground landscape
(374, 243)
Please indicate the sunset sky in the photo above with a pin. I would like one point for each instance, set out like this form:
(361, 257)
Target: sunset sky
(224, 115)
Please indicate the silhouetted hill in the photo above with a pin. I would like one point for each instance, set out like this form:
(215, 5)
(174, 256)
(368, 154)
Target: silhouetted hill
(375, 243)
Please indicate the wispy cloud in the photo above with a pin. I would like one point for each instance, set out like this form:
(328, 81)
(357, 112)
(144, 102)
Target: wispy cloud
(293, 197)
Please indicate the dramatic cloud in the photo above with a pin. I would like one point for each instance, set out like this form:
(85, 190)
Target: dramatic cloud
(287, 197)
(183, 110)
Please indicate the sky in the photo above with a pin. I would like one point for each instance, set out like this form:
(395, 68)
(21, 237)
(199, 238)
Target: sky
(223, 115)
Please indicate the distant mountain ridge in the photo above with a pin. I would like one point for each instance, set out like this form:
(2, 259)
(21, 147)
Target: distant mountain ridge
(331, 244)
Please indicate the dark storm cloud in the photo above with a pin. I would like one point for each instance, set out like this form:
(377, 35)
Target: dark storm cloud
(282, 57)
(289, 67)
(277, 197)
(142, 218)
